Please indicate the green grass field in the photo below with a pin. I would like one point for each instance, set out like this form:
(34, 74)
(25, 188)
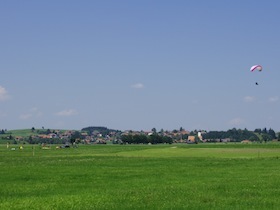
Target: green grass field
(203, 176)
(24, 132)
(20, 132)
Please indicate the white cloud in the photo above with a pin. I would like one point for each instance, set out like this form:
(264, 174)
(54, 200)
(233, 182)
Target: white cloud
(33, 112)
(67, 112)
(273, 99)
(3, 94)
(137, 86)
(36, 112)
(59, 124)
(34, 109)
(249, 99)
(236, 121)
(25, 116)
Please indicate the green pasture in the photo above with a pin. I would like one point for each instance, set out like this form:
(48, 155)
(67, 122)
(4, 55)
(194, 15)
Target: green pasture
(203, 176)
(24, 132)
(20, 132)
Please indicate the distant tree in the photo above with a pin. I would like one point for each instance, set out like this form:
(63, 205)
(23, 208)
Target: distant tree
(232, 134)
(155, 139)
(272, 133)
(161, 132)
(196, 139)
(30, 140)
(127, 139)
(266, 137)
(258, 131)
(167, 139)
(144, 139)
(102, 130)
(140, 139)
(154, 130)
(264, 130)
(175, 131)
(185, 136)
(192, 133)
(75, 135)
(253, 138)
(72, 140)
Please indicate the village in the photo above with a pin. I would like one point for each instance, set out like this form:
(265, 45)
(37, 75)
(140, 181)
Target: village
(103, 135)
(98, 137)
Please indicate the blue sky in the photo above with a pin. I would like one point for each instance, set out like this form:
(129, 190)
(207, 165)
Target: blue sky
(138, 65)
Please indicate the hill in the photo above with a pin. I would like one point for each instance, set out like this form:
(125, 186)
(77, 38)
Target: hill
(29, 132)
(99, 129)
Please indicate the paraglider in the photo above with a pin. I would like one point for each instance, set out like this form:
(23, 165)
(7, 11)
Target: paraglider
(257, 68)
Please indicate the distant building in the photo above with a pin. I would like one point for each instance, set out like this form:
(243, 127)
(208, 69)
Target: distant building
(246, 141)
(191, 139)
(199, 134)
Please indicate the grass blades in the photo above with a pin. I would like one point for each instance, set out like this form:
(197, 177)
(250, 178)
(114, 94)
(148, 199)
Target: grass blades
(141, 177)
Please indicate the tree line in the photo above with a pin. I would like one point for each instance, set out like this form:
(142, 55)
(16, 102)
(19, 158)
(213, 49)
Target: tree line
(99, 129)
(146, 139)
(239, 135)
(233, 135)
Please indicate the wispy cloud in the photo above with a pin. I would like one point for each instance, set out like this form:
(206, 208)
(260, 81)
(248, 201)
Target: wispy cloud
(273, 99)
(3, 94)
(67, 112)
(25, 116)
(236, 121)
(36, 112)
(137, 86)
(33, 112)
(59, 124)
(249, 99)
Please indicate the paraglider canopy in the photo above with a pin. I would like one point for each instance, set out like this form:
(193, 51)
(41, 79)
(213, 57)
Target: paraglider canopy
(256, 67)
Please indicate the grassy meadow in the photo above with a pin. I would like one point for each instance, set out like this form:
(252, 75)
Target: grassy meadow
(203, 176)
(24, 132)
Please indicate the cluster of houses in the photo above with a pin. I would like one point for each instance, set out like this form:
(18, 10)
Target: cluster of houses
(97, 137)
(55, 134)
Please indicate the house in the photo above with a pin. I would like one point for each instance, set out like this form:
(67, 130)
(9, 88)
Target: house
(184, 132)
(19, 138)
(43, 136)
(225, 140)
(52, 135)
(191, 140)
(246, 142)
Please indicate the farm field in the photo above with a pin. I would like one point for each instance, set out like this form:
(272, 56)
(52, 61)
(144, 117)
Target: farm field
(177, 176)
